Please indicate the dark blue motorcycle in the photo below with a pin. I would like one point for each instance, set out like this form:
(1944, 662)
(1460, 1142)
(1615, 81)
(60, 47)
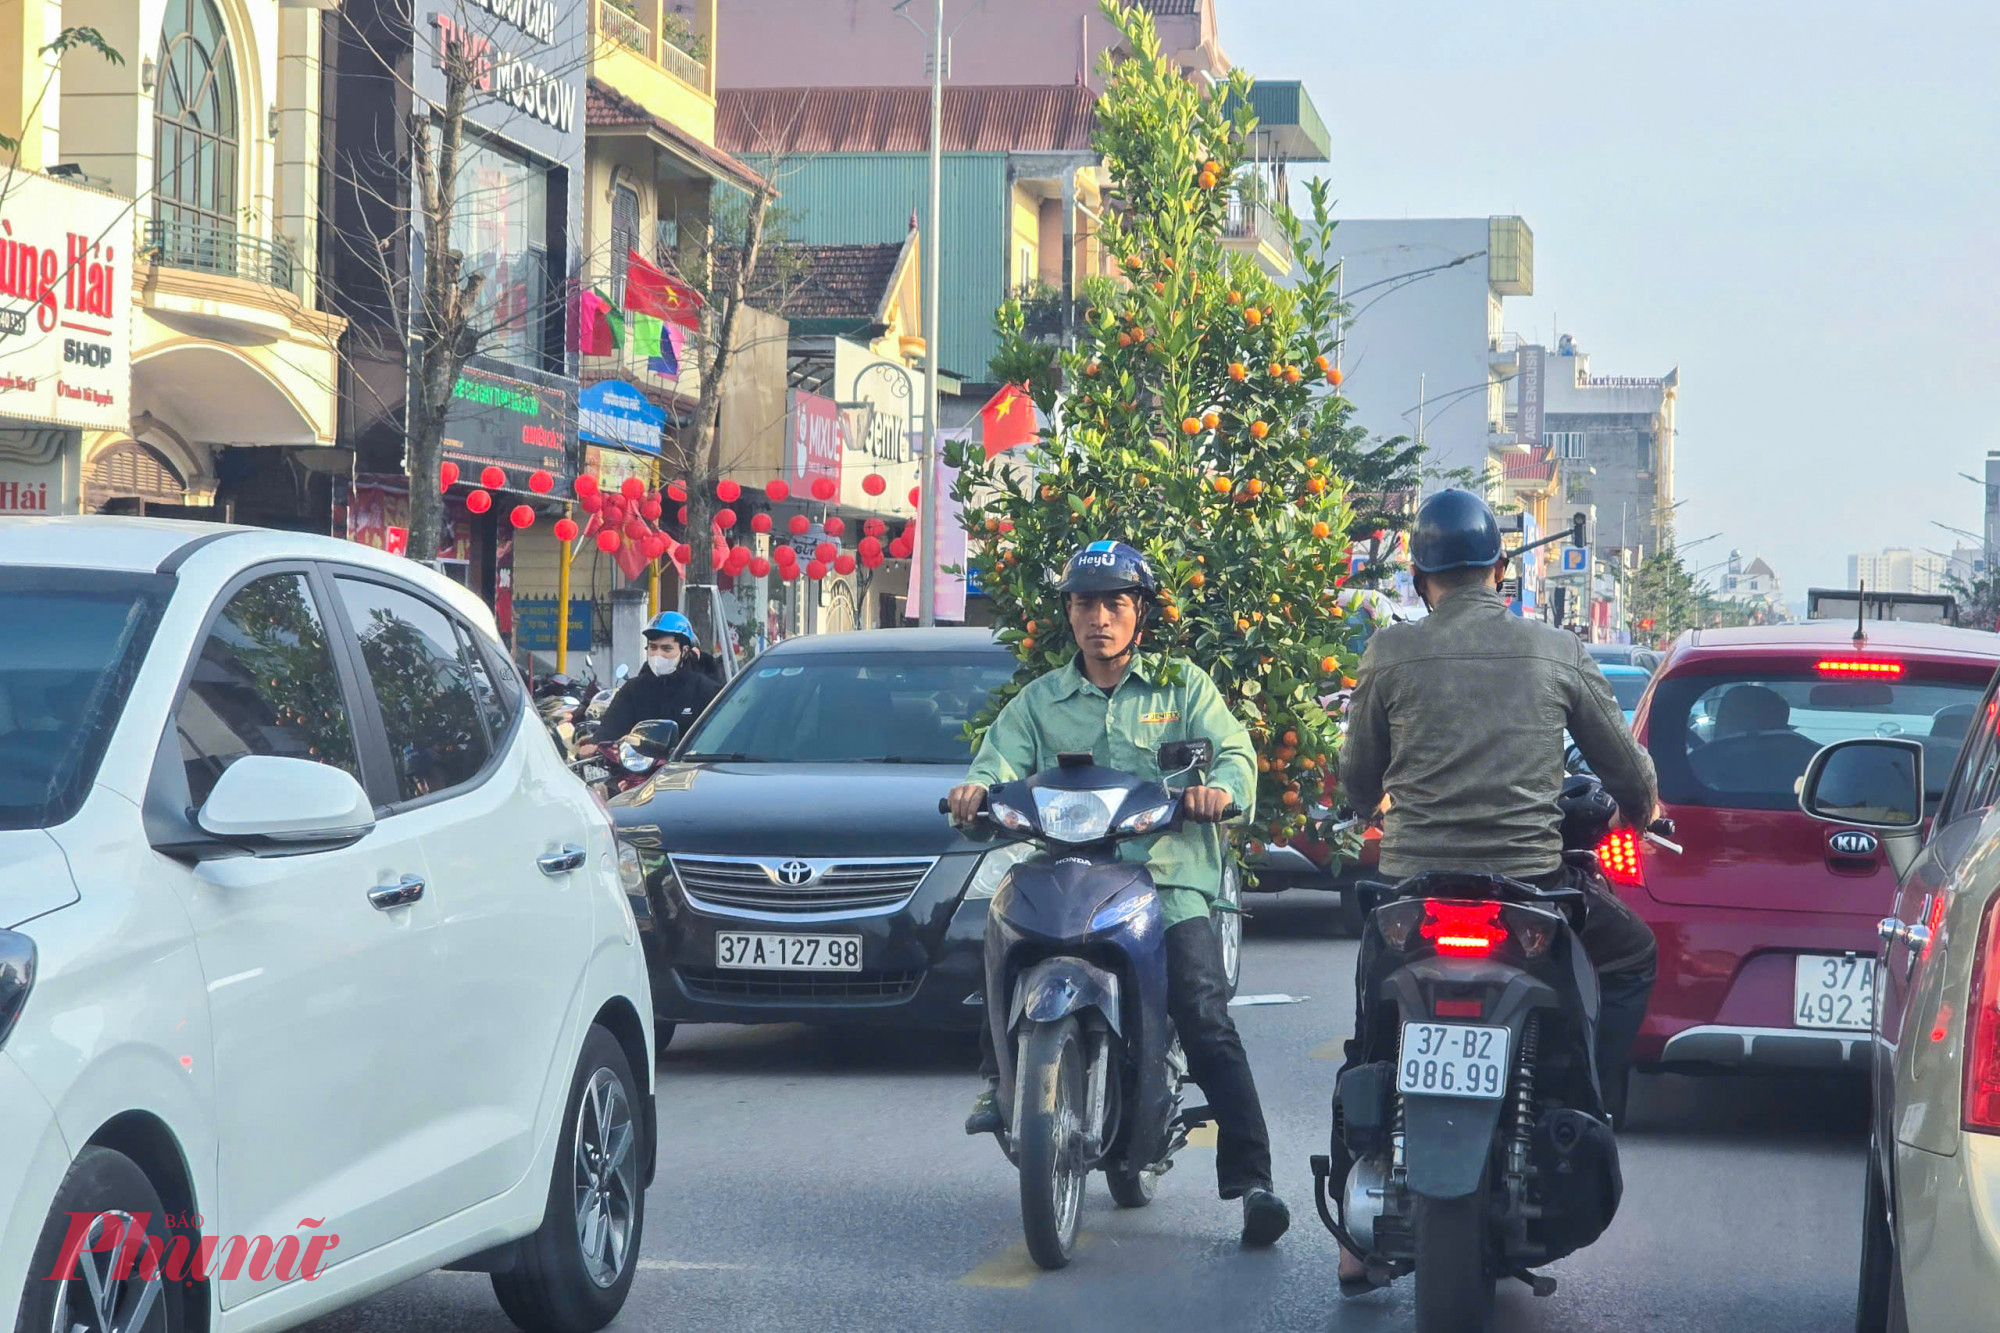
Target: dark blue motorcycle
(1076, 992)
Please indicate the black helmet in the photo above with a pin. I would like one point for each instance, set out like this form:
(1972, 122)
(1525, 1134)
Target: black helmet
(1455, 530)
(1108, 567)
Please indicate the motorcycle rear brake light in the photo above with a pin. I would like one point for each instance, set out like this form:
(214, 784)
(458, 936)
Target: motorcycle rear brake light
(1461, 929)
(1982, 1032)
(1473, 1008)
(1860, 668)
(1618, 853)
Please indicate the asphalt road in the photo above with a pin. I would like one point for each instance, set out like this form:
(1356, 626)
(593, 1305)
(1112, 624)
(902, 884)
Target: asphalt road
(817, 1180)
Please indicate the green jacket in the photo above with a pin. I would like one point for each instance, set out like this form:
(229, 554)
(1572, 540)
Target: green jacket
(1159, 700)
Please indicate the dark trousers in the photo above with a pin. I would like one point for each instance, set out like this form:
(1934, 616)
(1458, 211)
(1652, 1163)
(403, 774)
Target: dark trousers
(1198, 1002)
(1621, 1008)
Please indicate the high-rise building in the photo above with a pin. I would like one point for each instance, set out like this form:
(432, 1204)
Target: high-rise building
(1898, 569)
(1612, 437)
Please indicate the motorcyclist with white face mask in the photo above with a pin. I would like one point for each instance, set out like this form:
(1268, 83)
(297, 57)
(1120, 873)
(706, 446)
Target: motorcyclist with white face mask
(670, 684)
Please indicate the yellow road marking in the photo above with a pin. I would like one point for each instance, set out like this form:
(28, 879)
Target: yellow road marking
(1012, 1268)
(1202, 1136)
(1333, 1050)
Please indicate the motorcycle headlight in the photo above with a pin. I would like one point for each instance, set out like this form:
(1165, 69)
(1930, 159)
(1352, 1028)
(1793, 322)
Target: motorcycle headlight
(1147, 820)
(993, 868)
(631, 870)
(1078, 816)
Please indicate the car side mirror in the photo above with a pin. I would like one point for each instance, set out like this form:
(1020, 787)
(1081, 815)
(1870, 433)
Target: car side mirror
(1871, 781)
(276, 806)
(656, 738)
(1185, 756)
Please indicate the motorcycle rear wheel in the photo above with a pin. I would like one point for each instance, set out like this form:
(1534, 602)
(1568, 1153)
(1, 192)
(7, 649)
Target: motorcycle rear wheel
(1050, 1137)
(1454, 1281)
(1130, 1188)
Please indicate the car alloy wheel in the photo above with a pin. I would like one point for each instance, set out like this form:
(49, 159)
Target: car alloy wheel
(607, 1178)
(94, 1300)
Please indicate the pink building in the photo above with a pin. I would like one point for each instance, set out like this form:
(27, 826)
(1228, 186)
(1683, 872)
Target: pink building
(865, 44)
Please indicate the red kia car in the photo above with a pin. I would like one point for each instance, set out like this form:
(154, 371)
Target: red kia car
(1767, 921)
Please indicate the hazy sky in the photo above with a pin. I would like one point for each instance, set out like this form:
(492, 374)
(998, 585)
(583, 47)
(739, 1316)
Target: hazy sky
(1797, 203)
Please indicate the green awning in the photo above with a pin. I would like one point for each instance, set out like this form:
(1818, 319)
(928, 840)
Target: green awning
(1288, 124)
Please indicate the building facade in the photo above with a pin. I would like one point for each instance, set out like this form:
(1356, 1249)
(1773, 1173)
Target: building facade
(206, 132)
(1424, 351)
(1612, 437)
(1899, 569)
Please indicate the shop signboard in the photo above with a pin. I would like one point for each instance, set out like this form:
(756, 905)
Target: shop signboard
(535, 624)
(616, 413)
(65, 303)
(530, 60)
(813, 444)
(515, 418)
(31, 488)
(378, 515)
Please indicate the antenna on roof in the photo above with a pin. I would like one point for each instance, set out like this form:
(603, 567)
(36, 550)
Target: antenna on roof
(1861, 616)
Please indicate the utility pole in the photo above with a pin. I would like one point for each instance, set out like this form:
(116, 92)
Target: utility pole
(927, 455)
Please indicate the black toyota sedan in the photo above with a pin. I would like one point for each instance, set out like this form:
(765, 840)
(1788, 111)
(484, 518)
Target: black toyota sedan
(795, 865)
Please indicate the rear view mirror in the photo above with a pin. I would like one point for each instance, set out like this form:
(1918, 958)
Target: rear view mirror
(1872, 782)
(1184, 756)
(655, 739)
(271, 804)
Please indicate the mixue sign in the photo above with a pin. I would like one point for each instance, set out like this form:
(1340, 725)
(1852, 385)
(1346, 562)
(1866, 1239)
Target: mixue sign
(65, 303)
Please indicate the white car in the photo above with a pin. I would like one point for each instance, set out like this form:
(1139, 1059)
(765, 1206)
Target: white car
(313, 954)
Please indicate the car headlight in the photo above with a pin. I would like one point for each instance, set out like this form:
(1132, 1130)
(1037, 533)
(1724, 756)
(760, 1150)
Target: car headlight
(631, 870)
(1078, 816)
(993, 868)
(1147, 820)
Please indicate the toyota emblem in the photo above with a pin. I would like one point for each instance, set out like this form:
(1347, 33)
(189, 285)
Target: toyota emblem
(1853, 842)
(795, 874)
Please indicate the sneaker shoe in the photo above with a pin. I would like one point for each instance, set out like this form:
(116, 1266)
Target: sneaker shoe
(1265, 1218)
(985, 1117)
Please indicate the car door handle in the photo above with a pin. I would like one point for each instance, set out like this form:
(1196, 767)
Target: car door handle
(1889, 929)
(401, 894)
(1913, 936)
(562, 862)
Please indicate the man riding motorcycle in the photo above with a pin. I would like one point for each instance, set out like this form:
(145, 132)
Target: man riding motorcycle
(1121, 706)
(668, 686)
(1458, 719)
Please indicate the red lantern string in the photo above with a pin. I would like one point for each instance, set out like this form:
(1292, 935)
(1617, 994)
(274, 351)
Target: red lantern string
(800, 525)
(565, 530)
(479, 502)
(871, 546)
(609, 541)
(824, 489)
(784, 555)
(725, 518)
(816, 570)
(836, 526)
(874, 527)
(586, 485)
(760, 567)
(650, 508)
(760, 522)
(677, 491)
(683, 553)
(540, 482)
(727, 491)
(447, 475)
(844, 565)
(493, 479)
(634, 529)
(825, 551)
(788, 573)
(592, 503)
(874, 483)
(522, 517)
(682, 515)
(872, 559)
(631, 488)
(777, 490)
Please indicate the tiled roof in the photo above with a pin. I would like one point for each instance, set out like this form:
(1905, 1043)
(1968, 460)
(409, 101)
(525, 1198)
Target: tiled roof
(841, 281)
(1036, 119)
(604, 108)
(1535, 465)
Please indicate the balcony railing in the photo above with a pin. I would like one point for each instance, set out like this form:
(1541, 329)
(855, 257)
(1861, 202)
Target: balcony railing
(620, 21)
(208, 247)
(1252, 220)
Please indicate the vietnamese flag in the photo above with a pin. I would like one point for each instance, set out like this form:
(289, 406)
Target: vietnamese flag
(1008, 420)
(649, 291)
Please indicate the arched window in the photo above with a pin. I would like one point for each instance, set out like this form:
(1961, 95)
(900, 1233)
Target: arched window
(195, 136)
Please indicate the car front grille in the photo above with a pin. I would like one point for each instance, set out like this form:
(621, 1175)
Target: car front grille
(781, 987)
(732, 884)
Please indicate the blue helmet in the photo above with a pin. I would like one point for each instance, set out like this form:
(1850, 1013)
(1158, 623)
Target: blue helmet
(1108, 567)
(670, 622)
(1455, 530)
